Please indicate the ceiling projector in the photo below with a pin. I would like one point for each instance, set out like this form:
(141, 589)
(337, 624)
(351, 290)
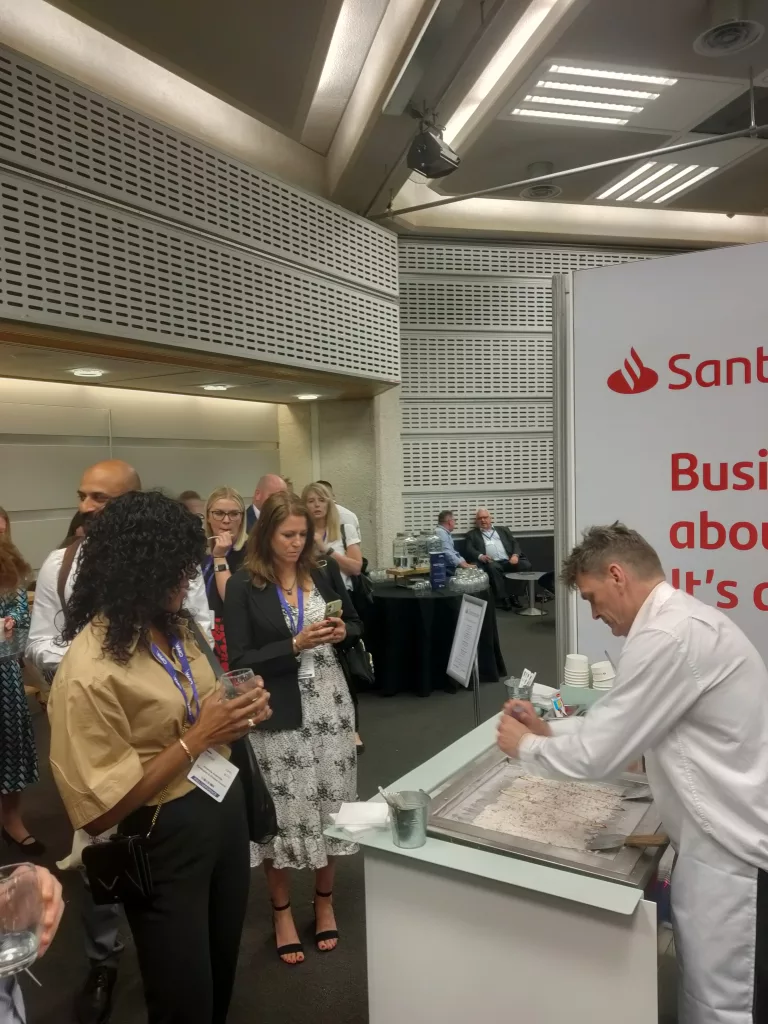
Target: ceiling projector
(430, 155)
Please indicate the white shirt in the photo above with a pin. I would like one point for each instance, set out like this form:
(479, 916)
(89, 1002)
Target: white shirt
(494, 547)
(347, 516)
(691, 693)
(353, 537)
(48, 618)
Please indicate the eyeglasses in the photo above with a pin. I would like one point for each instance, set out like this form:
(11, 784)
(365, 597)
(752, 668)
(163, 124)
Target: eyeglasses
(217, 514)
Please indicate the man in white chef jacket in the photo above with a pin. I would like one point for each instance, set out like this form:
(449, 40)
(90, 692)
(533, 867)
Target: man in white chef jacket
(99, 485)
(691, 694)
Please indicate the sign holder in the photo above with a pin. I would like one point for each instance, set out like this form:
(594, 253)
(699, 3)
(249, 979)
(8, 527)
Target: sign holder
(462, 663)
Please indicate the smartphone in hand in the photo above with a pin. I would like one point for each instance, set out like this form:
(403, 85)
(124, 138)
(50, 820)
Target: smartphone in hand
(333, 609)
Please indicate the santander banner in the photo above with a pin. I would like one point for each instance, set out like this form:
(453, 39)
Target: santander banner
(670, 363)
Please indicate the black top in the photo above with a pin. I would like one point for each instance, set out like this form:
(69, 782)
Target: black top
(258, 637)
(215, 600)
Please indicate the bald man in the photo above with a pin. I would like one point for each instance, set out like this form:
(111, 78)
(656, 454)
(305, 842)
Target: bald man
(99, 485)
(268, 485)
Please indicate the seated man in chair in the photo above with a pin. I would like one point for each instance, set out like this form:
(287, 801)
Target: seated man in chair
(495, 549)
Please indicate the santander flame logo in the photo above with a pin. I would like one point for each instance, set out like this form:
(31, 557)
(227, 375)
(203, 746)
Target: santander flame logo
(634, 377)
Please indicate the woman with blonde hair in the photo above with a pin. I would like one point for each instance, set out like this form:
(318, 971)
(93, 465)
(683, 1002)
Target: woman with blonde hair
(333, 539)
(275, 616)
(226, 532)
(18, 755)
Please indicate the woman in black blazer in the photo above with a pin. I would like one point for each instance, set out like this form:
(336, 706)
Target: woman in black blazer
(275, 622)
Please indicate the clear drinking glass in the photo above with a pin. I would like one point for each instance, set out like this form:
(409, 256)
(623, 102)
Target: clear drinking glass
(21, 915)
(240, 681)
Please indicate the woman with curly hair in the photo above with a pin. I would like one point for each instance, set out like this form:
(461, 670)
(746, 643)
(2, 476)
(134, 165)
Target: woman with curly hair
(18, 755)
(133, 704)
(276, 624)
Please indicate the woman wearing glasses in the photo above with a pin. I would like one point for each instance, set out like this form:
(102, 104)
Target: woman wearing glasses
(225, 529)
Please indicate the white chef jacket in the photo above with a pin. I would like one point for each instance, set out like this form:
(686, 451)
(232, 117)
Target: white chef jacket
(691, 693)
(48, 618)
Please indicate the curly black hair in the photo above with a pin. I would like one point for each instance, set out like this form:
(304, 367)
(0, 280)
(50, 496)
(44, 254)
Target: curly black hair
(138, 550)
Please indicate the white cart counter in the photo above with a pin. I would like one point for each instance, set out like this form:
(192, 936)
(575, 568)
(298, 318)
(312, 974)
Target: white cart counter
(458, 934)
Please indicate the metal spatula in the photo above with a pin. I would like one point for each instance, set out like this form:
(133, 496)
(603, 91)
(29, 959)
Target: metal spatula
(613, 842)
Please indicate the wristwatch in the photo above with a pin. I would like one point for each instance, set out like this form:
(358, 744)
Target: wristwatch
(221, 567)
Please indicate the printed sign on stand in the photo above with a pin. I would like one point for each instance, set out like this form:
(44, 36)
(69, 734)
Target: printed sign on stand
(667, 419)
(465, 640)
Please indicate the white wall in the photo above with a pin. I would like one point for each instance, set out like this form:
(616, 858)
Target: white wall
(50, 433)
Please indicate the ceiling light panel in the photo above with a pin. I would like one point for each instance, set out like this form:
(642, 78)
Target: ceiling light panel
(618, 76)
(655, 183)
(563, 101)
(563, 116)
(598, 90)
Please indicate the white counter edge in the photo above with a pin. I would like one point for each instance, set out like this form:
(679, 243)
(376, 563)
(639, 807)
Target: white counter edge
(568, 885)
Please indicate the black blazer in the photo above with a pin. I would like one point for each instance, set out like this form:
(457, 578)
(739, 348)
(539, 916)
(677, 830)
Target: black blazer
(474, 545)
(259, 639)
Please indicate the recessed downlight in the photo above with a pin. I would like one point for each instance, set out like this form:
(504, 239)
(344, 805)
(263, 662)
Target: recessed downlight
(215, 387)
(88, 371)
(307, 398)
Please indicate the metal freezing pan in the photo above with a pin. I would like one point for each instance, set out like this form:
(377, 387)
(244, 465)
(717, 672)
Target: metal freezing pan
(457, 802)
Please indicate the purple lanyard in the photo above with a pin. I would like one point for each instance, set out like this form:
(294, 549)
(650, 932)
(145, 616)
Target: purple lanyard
(181, 654)
(296, 624)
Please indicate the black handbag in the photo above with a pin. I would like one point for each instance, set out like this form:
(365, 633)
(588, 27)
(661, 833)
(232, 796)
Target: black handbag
(359, 665)
(362, 587)
(118, 869)
(259, 805)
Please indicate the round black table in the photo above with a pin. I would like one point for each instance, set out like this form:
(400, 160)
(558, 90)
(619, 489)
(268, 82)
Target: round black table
(409, 635)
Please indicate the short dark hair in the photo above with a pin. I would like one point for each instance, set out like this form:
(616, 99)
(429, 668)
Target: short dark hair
(444, 516)
(602, 545)
(189, 496)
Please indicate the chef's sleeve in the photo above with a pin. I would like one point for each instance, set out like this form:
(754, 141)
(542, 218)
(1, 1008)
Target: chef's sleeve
(655, 686)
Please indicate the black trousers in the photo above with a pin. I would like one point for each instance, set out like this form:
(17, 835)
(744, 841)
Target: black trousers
(188, 936)
(760, 1006)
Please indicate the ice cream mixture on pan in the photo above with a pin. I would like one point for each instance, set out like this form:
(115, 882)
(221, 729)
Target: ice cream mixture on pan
(552, 811)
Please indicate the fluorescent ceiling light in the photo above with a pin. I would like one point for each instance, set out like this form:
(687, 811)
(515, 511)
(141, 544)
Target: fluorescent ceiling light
(563, 101)
(525, 27)
(665, 184)
(600, 90)
(686, 184)
(561, 115)
(88, 371)
(627, 178)
(619, 76)
(215, 387)
(307, 398)
(664, 169)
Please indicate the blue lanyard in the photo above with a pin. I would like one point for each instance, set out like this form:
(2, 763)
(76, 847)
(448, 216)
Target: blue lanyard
(489, 536)
(296, 624)
(181, 654)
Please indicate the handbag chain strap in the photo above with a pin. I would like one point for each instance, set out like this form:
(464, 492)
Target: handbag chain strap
(163, 795)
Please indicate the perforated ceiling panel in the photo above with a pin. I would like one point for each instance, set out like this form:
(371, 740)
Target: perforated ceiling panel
(477, 378)
(441, 367)
(419, 257)
(75, 262)
(503, 306)
(52, 125)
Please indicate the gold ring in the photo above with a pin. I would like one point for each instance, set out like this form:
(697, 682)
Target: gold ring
(251, 724)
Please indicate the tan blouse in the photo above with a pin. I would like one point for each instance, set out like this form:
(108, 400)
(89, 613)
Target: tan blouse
(108, 720)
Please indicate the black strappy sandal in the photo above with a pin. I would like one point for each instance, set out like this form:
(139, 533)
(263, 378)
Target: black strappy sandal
(289, 947)
(326, 936)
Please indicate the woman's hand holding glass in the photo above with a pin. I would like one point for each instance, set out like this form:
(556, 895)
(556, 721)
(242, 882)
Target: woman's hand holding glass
(222, 721)
(314, 635)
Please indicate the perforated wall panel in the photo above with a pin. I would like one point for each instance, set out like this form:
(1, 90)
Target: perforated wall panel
(504, 306)
(477, 377)
(55, 126)
(484, 417)
(75, 262)
(476, 366)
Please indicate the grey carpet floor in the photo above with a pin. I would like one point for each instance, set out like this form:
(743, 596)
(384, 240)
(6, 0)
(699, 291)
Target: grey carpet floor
(400, 733)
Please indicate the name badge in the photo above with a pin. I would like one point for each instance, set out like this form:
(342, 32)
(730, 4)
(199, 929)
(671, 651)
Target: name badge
(213, 774)
(307, 665)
